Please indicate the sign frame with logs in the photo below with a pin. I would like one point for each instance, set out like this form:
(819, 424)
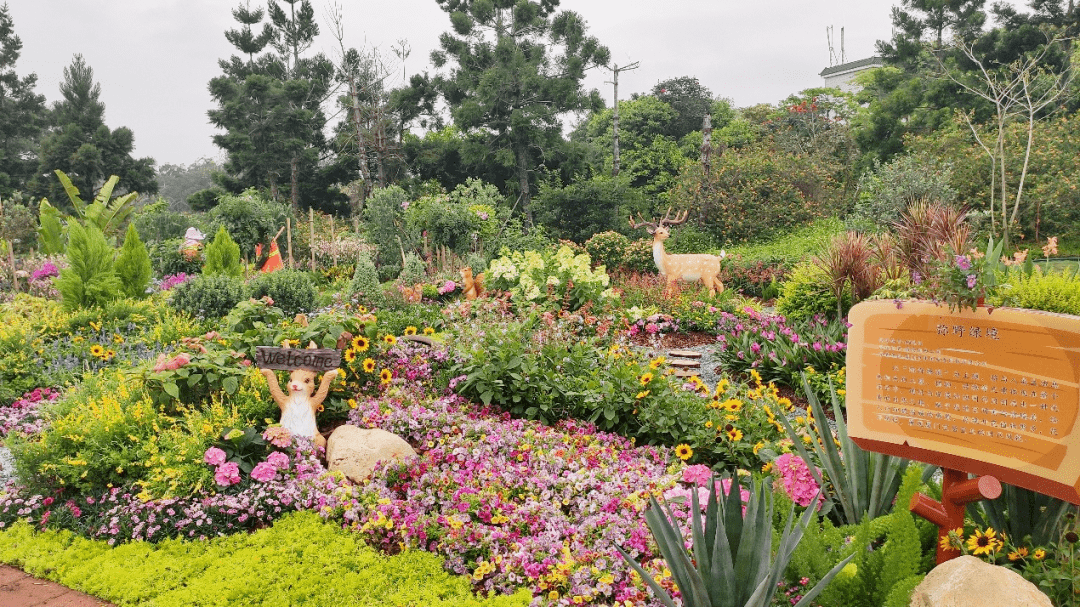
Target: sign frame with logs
(988, 392)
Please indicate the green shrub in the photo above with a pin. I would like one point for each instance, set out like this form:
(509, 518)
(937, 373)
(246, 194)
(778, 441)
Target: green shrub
(365, 283)
(300, 560)
(208, 296)
(415, 270)
(292, 290)
(608, 249)
(558, 278)
(167, 259)
(18, 225)
(90, 279)
(886, 191)
(806, 293)
(249, 219)
(155, 222)
(222, 255)
(133, 265)
(1048, 291)
(384, 225)
(892, 562)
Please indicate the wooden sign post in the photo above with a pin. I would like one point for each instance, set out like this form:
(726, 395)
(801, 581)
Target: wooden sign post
(320, 360)
(994, 394)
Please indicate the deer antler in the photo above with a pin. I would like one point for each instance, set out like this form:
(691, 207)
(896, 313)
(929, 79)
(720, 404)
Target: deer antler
(649, 226)
(668, 221)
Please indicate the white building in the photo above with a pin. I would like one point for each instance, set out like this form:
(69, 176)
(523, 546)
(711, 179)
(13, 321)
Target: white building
(842, 76)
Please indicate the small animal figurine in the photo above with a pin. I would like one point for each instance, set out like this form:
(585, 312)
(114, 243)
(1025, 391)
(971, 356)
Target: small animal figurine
(412, 295)
(473, 287)
(299, 406)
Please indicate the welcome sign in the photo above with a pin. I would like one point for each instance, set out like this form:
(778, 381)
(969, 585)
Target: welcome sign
(321, 360)
(983, 392)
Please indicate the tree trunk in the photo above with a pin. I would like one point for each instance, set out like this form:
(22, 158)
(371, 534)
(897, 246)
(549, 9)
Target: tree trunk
(615, 126)
(294, 182)
(361, 149)
(523, 183)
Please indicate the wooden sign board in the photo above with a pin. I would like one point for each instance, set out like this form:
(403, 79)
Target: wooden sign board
(983, 392)
(323, 359)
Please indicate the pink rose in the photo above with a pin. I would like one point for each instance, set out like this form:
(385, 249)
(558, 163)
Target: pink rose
(214, 456)
(263, 471)
(227, 474)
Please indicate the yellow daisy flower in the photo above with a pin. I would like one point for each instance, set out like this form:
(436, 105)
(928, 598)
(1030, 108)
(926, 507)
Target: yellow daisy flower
(1039, 554)
(642, 394)
(369, 365)
(352, 403)
(655, 363)
(385, 376)
(410, 330)
(983, 543)
(684, 452)
(360, 343)
(429, 331)
(735, 435)
(350, 355)
(389, 339)
(97, 350)
(646, 378)
(361, 310)
(1018, 554)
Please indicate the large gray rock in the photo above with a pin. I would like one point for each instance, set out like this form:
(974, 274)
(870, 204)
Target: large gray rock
(969, 582)
(355, 451)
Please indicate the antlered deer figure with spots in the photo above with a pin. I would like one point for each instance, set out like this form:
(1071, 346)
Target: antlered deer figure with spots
(690, 268)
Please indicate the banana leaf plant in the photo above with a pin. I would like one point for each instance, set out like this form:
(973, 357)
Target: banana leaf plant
(106, 213)
(731, 563)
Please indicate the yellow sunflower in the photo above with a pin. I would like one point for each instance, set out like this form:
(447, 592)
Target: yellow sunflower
(361, 310)
(429, 331)
(732, 404)
(646, 378)
(97, 350)
(410, 330)
(385, 376)
(109, 354)
(369, 365)
(1018, 554)
(735, 435)
(389, 339)
(655, 363)
(983, 543)
(350, 355)
(684, 452)
(360, 343)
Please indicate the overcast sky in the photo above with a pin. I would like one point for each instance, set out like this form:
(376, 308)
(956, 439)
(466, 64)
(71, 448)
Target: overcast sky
(154, 58)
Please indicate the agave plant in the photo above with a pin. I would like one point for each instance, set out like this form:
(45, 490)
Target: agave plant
(731, 564)
(860, 483)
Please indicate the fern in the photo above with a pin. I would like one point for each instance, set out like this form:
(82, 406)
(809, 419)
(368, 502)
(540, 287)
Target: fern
(133, 265)
(90, 279)
(222, 255)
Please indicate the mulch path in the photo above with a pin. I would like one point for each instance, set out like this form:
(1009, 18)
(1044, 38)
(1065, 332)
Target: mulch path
(675, 341)
(18, 589)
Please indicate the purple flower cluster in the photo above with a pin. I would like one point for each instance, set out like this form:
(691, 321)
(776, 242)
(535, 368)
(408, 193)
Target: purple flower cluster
(173, 280)
(47, 270)
(514, 503)
(22, 415)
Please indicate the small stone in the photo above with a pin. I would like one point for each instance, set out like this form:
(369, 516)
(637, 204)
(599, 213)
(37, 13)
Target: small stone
(969, 582)
(355, 451)
(684, 354)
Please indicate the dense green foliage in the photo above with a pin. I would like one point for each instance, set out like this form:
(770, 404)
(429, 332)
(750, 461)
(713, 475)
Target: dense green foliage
(365, 283)
(291, 290)
(322, 565)
(133, 265)
(208, 296)
(222, 255)
(90, 279)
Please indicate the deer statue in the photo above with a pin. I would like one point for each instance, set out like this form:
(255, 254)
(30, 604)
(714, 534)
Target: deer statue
(690, 268)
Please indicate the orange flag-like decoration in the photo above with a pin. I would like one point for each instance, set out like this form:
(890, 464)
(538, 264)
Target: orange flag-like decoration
(273, 262)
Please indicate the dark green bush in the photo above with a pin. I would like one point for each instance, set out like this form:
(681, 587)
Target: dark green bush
(208, 296)
(608, 249)
(250, 219)
(365, 283)
(292, 290)
(414, 272)
(156, 222)
(133, 265)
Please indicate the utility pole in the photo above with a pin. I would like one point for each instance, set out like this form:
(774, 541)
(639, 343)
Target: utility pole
(615, 69)
(706, 144)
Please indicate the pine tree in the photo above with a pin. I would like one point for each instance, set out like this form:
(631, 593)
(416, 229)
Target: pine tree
(83, 147)
(90, 279)
(518, 68)
(222, 255)
(133, 265)
(22, 113)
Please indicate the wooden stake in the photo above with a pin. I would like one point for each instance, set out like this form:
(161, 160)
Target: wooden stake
(333, 241)
(11, 258)
(288, 239)
(311, 218)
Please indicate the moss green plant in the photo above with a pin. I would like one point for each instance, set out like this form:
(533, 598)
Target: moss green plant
(365, 283)
(133, 265)
(301, 560)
